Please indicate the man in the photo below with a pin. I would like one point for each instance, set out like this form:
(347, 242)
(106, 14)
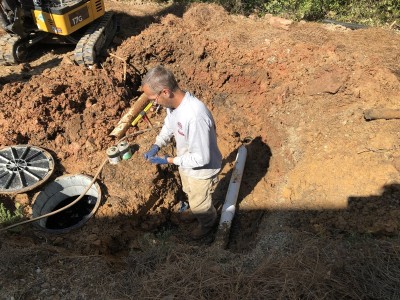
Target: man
(198, 158)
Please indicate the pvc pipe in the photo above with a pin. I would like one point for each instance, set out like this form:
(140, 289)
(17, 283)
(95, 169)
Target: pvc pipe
(229, 207)
(125, 122)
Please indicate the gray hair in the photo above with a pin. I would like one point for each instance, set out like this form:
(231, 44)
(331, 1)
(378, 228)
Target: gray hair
(159, 78)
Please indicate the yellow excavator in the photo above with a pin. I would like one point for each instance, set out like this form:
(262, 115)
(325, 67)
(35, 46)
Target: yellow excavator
(83, 23)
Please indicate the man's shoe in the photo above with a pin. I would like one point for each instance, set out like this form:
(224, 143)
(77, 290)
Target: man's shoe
(187, 216)
(200, 232)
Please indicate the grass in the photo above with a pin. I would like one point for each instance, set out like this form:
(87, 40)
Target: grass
(315, 268)
(8, 217)
(366, 12)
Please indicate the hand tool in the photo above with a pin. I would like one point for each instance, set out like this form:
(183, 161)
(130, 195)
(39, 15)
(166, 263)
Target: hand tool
(141, 114)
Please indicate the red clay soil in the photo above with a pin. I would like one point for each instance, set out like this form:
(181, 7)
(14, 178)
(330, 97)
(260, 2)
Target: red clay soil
(295, 97)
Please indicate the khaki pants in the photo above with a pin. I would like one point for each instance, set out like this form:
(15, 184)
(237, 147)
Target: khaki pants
(199, 192)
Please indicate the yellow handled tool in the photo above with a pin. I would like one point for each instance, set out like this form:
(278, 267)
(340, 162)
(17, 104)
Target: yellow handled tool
(141, 114)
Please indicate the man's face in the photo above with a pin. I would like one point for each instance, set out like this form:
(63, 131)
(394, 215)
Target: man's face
(163, 97)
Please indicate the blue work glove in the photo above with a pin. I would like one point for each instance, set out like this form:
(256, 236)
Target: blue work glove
(153, 151)
(159, 160)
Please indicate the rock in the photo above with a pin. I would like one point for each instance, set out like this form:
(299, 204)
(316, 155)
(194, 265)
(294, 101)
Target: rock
(280, 23)
(22, 199)
(74, 148)
(90, 146)
(59, 140)
(326, 83)
(67, 61)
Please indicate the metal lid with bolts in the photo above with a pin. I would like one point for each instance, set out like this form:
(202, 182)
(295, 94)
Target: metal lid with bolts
(113, 155)
(124, 150)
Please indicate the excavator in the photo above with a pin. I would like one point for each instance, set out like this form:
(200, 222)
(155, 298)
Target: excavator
(83, 23)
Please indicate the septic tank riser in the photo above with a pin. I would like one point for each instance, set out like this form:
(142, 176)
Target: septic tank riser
(229, 207)
(62, 188)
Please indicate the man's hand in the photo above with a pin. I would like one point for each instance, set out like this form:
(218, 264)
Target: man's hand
(159, 160)
(152, 152)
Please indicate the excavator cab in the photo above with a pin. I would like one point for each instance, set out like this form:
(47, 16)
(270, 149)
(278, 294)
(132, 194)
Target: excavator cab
(83, 23)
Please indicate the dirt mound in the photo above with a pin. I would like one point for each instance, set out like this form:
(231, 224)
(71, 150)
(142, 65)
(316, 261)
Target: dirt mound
(295, 97)
(64, 109)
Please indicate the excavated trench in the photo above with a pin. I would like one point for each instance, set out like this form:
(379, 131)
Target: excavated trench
(75, 118)
(319, 199)
(294, 97)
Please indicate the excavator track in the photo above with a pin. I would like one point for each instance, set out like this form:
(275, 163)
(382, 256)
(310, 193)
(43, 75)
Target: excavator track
(96, 39)
(14, 49)
(8, 45)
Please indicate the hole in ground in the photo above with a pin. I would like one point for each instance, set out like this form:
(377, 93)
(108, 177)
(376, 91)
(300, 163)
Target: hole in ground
(72, 215)
(61, 192)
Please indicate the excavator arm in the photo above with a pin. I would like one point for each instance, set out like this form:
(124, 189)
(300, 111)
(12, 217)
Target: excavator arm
(14, 19)
(7, 8)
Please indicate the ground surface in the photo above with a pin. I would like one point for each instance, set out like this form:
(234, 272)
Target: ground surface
(295, 97)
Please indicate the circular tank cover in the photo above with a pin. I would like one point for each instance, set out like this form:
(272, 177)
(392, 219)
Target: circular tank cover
(23, 168)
